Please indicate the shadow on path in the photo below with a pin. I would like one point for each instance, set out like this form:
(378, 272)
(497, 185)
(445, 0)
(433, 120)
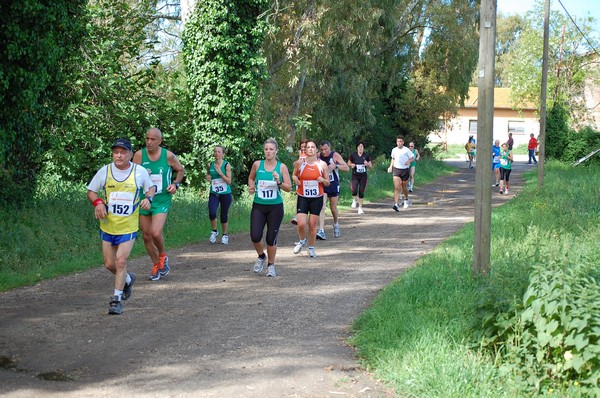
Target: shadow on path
(213, 327)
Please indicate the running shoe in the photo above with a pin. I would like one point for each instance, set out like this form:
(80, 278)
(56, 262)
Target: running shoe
(155, 274)
(336, 231)
(164, 268)
(406, 204)
(128, 287)
(360, 211)
(506, 191)
(299, 246)
(294, 221)
(115, 307)
(213, 236)
(501, 192)
(311, 252)
(225, 239)
(259, 265)
(353, 205)
(321, 235)
(271, 270)
(395, 207)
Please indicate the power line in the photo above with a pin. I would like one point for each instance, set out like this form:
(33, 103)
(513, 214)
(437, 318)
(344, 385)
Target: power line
(576, 26)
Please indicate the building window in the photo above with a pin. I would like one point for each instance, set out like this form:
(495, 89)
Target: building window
(472, 127)
(516, 127)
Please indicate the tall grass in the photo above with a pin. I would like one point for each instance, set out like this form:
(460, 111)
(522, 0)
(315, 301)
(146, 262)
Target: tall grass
(423, 333)
(57, 234)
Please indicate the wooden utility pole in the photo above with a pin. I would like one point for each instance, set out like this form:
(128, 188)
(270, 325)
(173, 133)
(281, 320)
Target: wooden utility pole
(542, 136)
(485, 128)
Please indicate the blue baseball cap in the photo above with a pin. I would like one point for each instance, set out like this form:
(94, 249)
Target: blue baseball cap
(123, 143)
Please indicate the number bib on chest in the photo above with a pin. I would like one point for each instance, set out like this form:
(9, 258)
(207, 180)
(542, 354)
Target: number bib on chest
(503, 162)
(218, 185)
(310, 188)
(120, 203)
(360, 168)
(267, 190)
(157, 181)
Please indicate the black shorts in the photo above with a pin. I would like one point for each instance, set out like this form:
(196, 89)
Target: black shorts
(306, 205)
(404, 174)
(333, 189)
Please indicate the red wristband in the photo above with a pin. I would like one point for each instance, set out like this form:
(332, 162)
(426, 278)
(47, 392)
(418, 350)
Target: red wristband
(97, 202)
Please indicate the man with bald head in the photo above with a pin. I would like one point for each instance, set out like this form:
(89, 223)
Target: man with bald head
(160, 164)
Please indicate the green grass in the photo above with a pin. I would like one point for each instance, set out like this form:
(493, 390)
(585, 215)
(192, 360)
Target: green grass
(58, 234)
(422, 333)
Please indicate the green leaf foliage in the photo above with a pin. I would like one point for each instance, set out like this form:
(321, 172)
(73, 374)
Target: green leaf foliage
(551, 336)
(118, 88)
(39, 40)
(224, 64)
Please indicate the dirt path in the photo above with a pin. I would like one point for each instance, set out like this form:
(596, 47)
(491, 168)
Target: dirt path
(214, 328)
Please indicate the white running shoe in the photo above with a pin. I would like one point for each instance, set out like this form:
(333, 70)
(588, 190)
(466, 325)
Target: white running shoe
(406, 204)
(260, 264)
(271, 270)
(353, 205)
(506, 191)
(225, 239)
(360, 211)
(299, 246)
(213, 236)
(336, 231)
(311, 252)
(321, 234)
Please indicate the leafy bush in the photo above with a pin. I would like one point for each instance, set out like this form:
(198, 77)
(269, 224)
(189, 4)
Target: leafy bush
(581, 143)
(550, 339)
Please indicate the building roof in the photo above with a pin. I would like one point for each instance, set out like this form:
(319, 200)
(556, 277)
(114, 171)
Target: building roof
(501, 99)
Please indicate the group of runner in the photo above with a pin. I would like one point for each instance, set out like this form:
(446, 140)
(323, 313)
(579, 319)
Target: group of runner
(139, 187)
(134, 189)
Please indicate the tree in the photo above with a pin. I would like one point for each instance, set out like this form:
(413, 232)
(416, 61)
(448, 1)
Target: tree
(40, 41)
(118, 88)
(224, 64)
(567, 60)
(346, 63)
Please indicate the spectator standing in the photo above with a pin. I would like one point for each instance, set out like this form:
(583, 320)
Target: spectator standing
(531, 147)
(510, 142)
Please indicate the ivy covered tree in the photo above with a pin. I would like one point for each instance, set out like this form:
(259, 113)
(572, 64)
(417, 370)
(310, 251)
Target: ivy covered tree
(224, 64)
(39, 41)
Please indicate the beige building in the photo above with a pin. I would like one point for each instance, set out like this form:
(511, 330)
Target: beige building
(457, 129)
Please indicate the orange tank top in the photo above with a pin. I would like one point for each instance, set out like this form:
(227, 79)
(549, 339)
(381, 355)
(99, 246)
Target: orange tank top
(309, 186)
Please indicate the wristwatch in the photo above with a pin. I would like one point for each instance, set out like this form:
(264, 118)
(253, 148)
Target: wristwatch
(176, 185)
(150, 199)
